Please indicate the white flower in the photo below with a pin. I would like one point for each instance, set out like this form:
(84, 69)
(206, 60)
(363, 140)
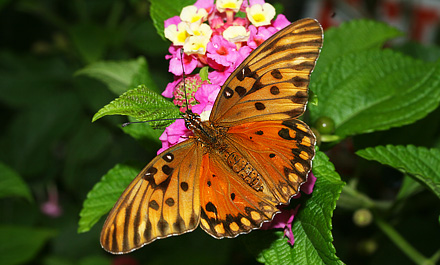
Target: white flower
(260, 15)
(223, 5)
(236, 34)
(192, 14)
(204, 116)
(177, 34)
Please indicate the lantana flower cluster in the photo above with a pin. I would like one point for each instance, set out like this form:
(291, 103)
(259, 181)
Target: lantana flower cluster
(217, 35)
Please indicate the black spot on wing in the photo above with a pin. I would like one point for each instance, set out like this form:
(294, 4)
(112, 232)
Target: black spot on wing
(167, 170)
(168, 157)
(274, 90)
(163, 226)
(170, 202)
(184, 186)
(179, 224)
(259, 106)
(285, 134)
(153, 205)
(228, 93)
(276, 74)
(210, 207)
(241, 91)
(299, 81)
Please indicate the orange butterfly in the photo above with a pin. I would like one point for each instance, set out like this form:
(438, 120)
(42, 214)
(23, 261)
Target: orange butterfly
(251, 156)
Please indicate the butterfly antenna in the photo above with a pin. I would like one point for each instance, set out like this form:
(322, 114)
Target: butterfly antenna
(131, 122)
(183, 78)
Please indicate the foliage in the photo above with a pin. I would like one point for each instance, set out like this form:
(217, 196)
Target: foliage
(383, 103)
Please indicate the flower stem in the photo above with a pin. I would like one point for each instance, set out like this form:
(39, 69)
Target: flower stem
(406, 248)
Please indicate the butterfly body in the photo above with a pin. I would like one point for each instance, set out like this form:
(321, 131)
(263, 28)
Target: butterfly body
(252, 155)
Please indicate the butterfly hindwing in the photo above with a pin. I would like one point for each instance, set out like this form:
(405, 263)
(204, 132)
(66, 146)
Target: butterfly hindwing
(281, 151)
(232, 202)
(163, 200)
(229, 206)
(271, 84)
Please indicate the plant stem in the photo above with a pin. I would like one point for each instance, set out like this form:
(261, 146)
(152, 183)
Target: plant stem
(406, 248)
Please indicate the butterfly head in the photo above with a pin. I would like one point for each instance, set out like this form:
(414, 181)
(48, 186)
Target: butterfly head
(192, 120)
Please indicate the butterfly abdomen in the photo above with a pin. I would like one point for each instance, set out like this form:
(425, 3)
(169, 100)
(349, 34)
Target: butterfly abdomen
(243, 168)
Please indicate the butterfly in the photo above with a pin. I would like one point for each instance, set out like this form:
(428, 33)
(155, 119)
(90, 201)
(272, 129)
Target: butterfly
(251, 156)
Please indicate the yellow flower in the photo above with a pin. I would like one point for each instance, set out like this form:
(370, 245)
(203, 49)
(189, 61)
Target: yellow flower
(236, 34)
(196, 44)
(192, 14)
(223, 5)
(260, 15)
(200, 30)
(177, 34)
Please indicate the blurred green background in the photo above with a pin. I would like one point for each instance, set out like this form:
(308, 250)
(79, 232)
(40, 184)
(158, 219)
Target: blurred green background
(47, 139)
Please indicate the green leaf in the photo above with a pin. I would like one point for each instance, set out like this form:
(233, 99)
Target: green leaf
(204, 73)
(141, 104)
(376, 90)
(19, 245)
(408, 188)
(119, 76)
(162, 10)
(11, 184)
(278, 251)
(312, 226)
(351, 37)
(420, 163)
(104, 195)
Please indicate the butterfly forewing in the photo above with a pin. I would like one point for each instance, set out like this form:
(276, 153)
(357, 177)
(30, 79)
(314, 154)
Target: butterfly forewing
(271, 84)
(163, 200)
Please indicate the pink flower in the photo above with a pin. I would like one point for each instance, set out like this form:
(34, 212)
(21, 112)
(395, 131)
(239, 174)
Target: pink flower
(172, 21)
(216, 22)
(258, 36)
(283, 220)
(208, 5)
(219, 77)
(221, 51)
(192, 84)
(240, 22)
(206, 95)
(52, 207)
(169, 90)
(307, 187)
(189, 61)
(280, 22)
(243, 53)
(174, 134)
